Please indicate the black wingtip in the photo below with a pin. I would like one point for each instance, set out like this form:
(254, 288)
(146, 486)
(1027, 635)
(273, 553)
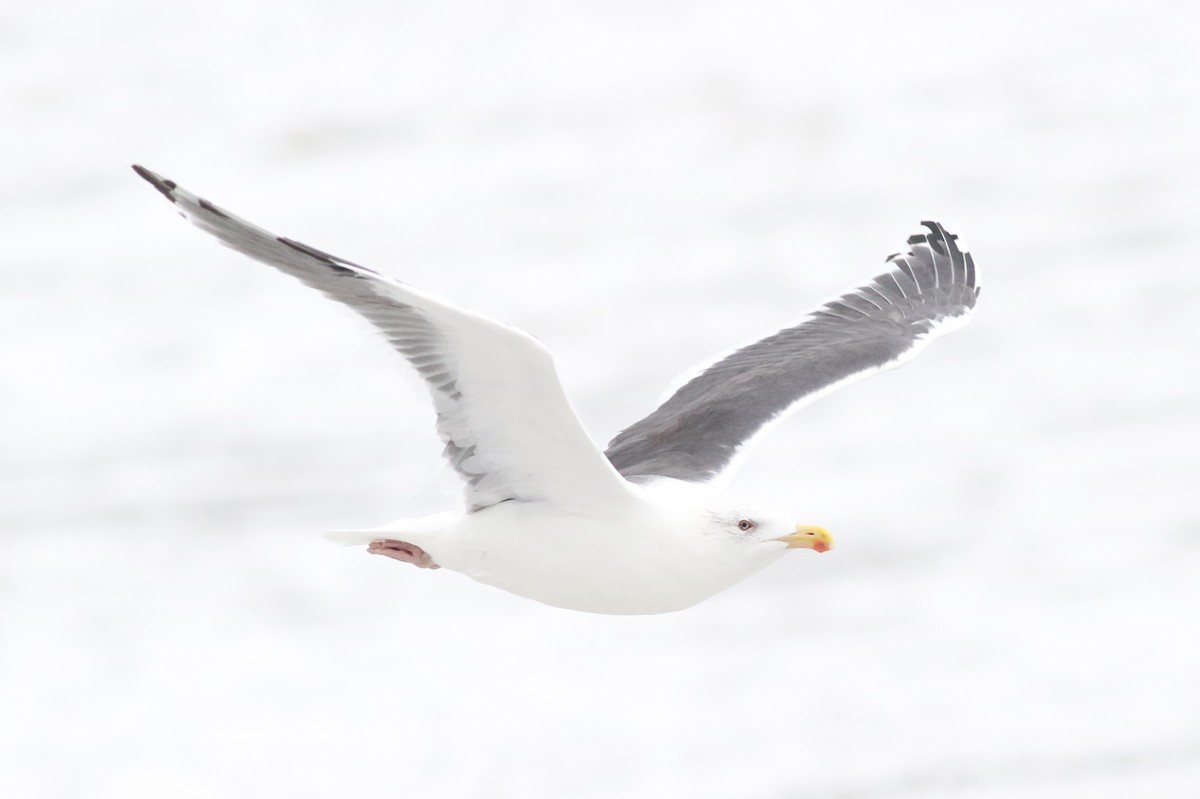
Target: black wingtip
(166, 187)
(938, 238)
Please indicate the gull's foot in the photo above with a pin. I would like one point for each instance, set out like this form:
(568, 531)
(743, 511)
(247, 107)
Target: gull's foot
(399, 550)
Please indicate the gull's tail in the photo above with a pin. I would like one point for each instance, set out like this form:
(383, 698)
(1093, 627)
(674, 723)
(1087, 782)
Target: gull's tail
(414, 531)
(353, 538)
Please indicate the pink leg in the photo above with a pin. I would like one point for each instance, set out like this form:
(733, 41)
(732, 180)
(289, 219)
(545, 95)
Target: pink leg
(399, 550)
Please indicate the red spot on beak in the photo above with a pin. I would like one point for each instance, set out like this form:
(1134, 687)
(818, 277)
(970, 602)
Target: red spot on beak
(821, 546)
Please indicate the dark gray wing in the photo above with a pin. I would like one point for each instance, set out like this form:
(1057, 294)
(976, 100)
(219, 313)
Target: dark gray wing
(509, 431)
(696, 433)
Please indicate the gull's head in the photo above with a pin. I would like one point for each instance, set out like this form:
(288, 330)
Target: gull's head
(697, 540)
(753, 524)
(732, 535)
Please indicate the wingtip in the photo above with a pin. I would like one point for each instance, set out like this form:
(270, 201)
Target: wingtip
(937, 228)
(958, 255)
(938, 238)
(164, 186)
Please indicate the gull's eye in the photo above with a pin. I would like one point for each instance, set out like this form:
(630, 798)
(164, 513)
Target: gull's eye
(745, 525)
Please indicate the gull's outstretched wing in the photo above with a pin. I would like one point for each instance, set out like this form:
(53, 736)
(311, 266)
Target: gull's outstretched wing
(509, 431)
(696, 433)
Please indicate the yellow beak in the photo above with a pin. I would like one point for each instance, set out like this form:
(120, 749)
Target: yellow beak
(808, 537)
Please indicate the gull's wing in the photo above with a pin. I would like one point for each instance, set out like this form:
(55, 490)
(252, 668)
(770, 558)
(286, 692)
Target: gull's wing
(509, 431)
(696, 433)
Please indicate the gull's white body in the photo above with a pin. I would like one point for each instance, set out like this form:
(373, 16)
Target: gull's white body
(656, 552)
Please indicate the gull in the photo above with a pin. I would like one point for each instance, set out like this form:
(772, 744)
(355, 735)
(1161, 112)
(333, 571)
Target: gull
(645, 526)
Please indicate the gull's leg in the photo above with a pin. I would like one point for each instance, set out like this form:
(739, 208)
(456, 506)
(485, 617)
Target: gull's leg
(399, 550)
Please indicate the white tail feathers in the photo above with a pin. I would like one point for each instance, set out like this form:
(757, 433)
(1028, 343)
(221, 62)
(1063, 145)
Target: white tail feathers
(352, 538)
(414, 531)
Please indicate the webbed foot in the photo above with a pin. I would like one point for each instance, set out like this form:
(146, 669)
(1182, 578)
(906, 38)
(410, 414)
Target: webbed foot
(402, 551)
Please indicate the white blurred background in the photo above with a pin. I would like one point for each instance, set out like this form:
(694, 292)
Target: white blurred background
(1014, 606)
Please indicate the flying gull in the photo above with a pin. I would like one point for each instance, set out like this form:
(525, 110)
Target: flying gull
(644, 526)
